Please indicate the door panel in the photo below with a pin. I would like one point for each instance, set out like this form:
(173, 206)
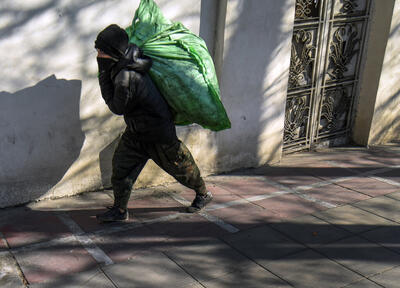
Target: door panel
(327, 45)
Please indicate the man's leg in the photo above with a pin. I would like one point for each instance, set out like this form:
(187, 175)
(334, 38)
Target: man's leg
(177, 161)
(128, 161)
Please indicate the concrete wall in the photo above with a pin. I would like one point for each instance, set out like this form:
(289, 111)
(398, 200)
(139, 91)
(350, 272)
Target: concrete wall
(377, 118)
(56, 134)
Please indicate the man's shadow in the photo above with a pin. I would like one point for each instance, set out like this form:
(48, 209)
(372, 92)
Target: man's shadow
(40, 138)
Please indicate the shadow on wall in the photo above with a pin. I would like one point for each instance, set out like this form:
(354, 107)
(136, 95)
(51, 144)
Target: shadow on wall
(390, 126)
(40, 138)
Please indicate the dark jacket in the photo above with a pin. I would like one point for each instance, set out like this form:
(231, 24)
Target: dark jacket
(129, 91)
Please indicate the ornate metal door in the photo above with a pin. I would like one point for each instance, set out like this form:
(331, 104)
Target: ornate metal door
(327, 45)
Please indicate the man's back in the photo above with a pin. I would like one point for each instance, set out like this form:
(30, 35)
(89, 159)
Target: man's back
(135, 96)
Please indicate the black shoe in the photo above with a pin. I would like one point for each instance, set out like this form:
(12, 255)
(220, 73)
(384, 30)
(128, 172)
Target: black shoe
(113, 215)
(199, 202)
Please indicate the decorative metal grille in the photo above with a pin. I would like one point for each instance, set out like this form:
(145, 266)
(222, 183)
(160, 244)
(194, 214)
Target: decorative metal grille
(303, 56)
(327, 46)
(335, 107)
(306, 9)
(343, 48)
(296, 118)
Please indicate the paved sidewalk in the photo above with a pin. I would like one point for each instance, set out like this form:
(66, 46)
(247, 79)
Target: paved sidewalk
(323, 219)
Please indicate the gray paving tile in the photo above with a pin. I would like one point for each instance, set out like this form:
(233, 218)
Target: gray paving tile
(48, 263)
(263, 243)
(30, 227)
(394, 195)
(388, 279)
(149, 270)
(9, 276)
(360, 255)
(388, 237)
(382, 206)
(365, 283)
(291, 175)
(330, 172)
(209, 260)
(94, 278)
(353, 219)
(310, 230)
(310, 269)
(10, 281)
(124, 245)
(7, 215)
(369, 186)
(392, 175)
(252, 277)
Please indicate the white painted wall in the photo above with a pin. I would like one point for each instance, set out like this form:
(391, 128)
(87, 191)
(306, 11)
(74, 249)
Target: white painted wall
(386, 122)
(377, 110)
(254, 80)
(57, 135)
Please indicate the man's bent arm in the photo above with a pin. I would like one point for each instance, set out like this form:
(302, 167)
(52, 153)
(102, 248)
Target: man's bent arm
(117, 94)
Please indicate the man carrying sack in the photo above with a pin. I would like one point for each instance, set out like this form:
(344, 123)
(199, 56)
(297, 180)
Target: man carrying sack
(150, 134)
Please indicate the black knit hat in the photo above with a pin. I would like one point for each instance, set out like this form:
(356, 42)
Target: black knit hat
(113, 40)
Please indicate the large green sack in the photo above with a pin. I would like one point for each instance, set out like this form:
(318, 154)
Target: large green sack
(182, 69)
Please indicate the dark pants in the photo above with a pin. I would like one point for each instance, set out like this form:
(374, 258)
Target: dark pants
(131, 155)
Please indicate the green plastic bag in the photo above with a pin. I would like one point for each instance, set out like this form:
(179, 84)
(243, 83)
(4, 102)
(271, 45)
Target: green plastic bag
(182, 69)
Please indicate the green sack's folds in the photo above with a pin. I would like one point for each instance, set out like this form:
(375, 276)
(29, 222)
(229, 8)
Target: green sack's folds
(182, 69)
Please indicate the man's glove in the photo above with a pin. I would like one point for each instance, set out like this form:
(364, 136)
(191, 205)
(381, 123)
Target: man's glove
(132, 60)
(105, 64)
(106, 84)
